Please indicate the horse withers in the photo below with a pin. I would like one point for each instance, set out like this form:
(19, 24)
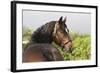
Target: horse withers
(40, 47)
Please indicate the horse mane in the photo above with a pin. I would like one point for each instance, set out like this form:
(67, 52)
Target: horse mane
(43, 34)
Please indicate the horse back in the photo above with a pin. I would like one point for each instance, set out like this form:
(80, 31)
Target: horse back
(40, 53)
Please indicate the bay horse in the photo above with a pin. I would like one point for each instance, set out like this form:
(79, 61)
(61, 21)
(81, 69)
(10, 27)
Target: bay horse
(40, 49)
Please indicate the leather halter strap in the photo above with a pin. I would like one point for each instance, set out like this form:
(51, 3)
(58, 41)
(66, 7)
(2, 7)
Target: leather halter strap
(61, 39)
(66, 43)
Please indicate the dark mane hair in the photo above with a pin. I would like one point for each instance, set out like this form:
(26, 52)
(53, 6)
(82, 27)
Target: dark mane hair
(43, 34)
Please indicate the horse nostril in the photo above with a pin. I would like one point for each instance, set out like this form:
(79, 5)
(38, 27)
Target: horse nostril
(70, 51)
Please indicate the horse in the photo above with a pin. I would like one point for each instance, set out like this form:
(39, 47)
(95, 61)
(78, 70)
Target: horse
(40, 49)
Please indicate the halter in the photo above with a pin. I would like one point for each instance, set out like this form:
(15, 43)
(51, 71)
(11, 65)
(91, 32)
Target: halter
(66, 43)
(61, 39)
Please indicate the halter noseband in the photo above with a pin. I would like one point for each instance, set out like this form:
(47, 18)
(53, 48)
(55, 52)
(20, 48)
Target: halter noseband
(66, 43)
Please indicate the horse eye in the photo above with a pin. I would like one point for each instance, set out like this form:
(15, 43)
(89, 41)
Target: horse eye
(65, 25)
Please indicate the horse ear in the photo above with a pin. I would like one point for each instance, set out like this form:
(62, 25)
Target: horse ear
(64, 20)
(60, 20)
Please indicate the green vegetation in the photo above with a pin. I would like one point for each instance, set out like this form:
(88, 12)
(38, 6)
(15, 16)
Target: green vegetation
(81, 45)
(81, 48)
(26, 36)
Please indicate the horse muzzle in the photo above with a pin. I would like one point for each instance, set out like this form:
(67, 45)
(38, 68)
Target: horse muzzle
(68, 47)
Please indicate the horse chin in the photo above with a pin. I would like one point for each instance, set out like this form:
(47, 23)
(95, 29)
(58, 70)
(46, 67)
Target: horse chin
(68, 49)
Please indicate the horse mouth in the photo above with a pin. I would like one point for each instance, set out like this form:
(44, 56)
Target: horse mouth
(68, 50)
(68, 47)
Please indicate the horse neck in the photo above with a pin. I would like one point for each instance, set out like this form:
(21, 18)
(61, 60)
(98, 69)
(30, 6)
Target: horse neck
(43, 34)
